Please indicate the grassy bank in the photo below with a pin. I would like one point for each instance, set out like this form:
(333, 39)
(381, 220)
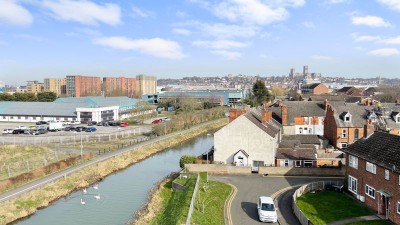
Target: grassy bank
(171, 207)
(28, 203)
(328, 206)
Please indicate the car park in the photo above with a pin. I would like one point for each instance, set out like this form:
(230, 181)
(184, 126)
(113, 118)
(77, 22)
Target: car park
(266, 210)
(7, 131)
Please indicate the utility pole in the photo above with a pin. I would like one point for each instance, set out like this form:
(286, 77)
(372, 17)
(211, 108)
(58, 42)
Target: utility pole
(81, 148)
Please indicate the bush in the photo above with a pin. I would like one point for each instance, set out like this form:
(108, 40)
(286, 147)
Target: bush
(187, 159)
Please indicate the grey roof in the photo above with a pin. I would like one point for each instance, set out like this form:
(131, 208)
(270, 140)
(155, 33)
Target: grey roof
(380, 148)
(303, 139)
(271, 128)
(243, 151)
(296, 153)
(298, 108)
(39, 109)
(100, 101)
(358, 113)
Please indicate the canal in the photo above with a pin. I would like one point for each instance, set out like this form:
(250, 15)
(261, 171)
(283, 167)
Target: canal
(116, 199)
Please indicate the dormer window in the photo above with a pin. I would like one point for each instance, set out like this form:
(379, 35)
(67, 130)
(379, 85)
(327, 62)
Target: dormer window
(347, 118)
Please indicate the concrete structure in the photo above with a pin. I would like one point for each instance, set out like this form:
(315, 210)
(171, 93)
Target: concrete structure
(56, 85)
(81, 86)
(119, 86)
(145, 85)
(34, 87)
(373, 173)
(249, 140)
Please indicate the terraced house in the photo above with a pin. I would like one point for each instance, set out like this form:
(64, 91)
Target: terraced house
(373, 173)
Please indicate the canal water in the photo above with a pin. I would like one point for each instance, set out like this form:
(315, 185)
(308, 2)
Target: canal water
(121, 194)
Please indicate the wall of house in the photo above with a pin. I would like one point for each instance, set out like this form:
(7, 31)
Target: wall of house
(330, 128)
(350, 137)
(289, 130)
(378, 182)
(243, 134)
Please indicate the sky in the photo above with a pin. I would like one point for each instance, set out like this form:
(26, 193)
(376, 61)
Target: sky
(177, 38)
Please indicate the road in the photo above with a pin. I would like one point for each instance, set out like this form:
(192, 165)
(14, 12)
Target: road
(45, 180)
(250, 187)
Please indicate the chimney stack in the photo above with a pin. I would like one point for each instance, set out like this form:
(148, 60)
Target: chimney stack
(284, 115)
(266, 116)
(327, 104)
(368, 128)
(235, 113)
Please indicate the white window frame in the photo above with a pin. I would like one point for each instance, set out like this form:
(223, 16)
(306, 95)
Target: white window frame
(308, 161)
(286, 163)
(344, 133)
(299, 162)
(387, 172)
(343, 145)
(370, 191)
(353, 161)
(397, 119)
(398, 208)
(370, 167)
(347, 118)
(352, 188)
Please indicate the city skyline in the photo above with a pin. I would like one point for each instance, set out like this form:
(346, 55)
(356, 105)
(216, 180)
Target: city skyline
(172, 39)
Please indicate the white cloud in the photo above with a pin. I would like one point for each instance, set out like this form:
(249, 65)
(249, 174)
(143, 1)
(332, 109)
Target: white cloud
(157, 47)
(181, 14)
(137, 12)
(359, 38)
(29, 37)
(385, 52)
(393, 41)
(308, 24)
(84, 11)
(181, 31)
(333, 2)
(372, 21)
(221, 44)
(251, 11)
(393, 4)
(13, 13)
(227, 54)
(322, 58)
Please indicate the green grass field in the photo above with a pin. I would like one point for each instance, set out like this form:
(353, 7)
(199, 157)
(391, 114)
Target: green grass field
(328, 206)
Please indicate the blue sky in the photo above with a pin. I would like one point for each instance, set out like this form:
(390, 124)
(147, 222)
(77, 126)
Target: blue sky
(176, 38)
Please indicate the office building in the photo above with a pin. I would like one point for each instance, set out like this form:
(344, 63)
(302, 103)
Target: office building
(56, 85)
(81, 86)
(34, 87)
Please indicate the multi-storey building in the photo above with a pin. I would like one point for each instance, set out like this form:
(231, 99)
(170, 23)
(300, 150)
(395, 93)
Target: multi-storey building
(119, 86)
(34, 86)
(145, 85)
(56, 85)
(80, 86)
(373, 173)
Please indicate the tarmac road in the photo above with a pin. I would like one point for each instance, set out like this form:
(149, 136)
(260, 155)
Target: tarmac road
(250, 187)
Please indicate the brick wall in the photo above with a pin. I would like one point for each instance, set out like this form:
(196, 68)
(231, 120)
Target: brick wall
(320, 89)
(378, 182)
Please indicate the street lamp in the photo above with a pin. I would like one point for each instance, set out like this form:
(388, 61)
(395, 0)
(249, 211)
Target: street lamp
(74, 138)
(81, 148)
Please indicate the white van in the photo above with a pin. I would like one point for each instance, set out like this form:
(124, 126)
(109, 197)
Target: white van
(266, 210)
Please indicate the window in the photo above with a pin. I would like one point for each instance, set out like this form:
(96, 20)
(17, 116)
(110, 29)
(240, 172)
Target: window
(343, 145)
(308, 163)
(347, 118)
(371, 167)
(286, 163)
(344, 133)
(298, 164)
(386, 174)
(353, 161)
(352, 184)
(300, 130)
(370, 191)
(356, 134)
(398, 119)
(398, 207)
(310, 130)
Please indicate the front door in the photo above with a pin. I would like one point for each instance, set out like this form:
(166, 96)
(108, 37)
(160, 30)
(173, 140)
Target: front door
(256, 165)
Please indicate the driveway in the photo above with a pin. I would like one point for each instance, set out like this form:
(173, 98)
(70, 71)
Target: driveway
(250, 187)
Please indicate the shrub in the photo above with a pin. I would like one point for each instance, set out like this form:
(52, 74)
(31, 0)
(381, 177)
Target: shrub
(187, 159)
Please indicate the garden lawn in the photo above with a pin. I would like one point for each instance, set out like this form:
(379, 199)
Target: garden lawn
(210, 201)
(328, 206)
(175, 204)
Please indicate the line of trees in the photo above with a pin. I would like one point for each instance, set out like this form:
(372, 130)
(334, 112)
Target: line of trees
(46, 96)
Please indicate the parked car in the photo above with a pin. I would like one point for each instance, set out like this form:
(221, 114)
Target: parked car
(124, 124)
(91, 123)
(41, 122)
(21, 127)
(157, 121)
(266, 210)
(28, 131)
(40, 131)
(7, 131)
(18, 131)
(91, 129)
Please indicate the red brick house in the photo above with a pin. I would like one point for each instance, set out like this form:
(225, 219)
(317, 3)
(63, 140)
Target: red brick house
(350, 91)
(373, 173)
(316, 89)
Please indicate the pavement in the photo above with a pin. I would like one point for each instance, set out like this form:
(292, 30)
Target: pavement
(354, 219)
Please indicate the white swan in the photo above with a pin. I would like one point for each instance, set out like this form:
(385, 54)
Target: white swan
(82, 202)
(84, 191)
(97, 196)
(96, 187)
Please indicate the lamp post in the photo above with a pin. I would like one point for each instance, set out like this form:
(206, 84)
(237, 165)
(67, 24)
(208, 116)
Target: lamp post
(74, 138)
(81, 148)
